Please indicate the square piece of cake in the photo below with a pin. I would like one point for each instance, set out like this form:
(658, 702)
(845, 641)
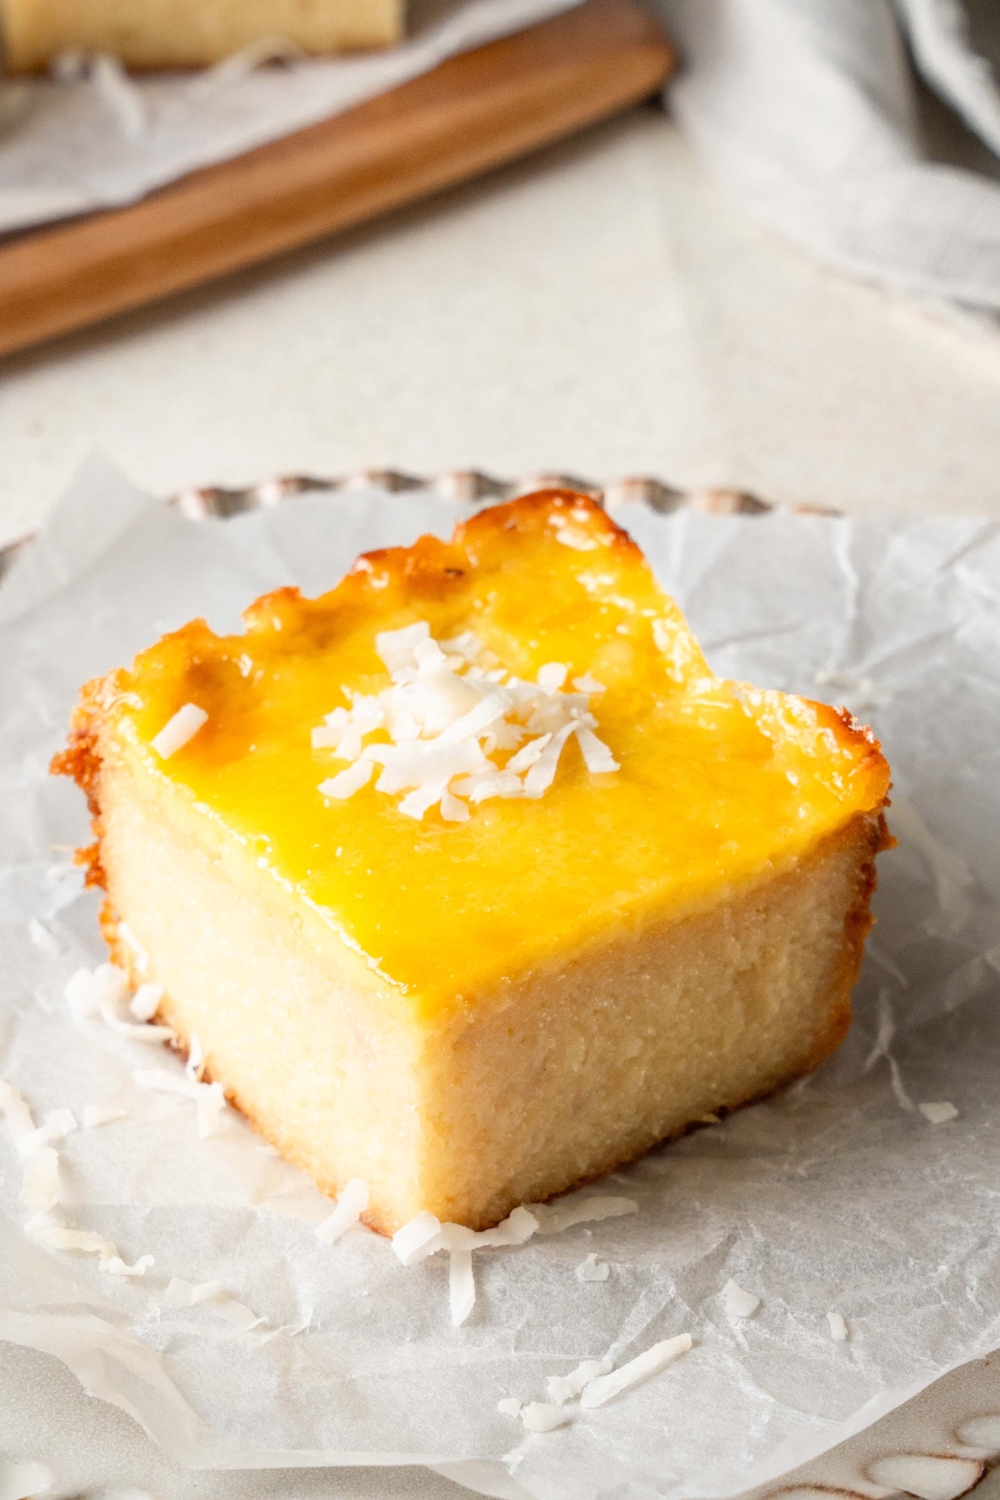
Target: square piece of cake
(470, 876)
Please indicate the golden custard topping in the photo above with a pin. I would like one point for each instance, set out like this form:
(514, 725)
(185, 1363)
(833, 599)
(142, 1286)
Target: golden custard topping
(717, 784)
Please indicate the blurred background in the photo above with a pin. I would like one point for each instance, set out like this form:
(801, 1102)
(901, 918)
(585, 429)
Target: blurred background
(765, 258)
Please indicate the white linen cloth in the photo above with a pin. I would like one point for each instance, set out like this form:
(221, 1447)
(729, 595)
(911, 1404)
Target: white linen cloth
(809, 110)
(103, 139)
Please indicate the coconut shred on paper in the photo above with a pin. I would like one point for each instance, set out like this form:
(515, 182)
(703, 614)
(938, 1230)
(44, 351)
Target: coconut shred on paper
(808, 1201)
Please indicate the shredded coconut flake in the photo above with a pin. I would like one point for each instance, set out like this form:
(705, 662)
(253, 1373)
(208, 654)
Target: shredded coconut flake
(209, 1097)
(426, 1235)
(540, 1416)
(181, 1293)
(88, 989)
(241, 64)
(938, 1114)
(135, 1031)
(461, 1286)
(446, 717)
(40, 1179)
(40, 1169)
(346, 783)
(58, 1124)
(563, 1388)
(351, 1204)
(838, 1327)
(113, 86)
(146, 1001)
(590, 1270)
(596, 755)
(552, 676)
(45, 1229)
(177, 731)
(130, 940)
(195, 1063)
(95, 1115)
(104, 991)
(604, 1387)
(414, 1240)
(15, 1110)
(737, 1302)
(117, 1267)
(557, 1217)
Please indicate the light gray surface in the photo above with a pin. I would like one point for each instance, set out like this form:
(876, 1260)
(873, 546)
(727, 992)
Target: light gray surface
(600, 309)
(530, 321)
(94, 1448)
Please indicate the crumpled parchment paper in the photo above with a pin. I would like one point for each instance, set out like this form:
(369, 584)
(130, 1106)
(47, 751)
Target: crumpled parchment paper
(65, 150)
(838, 1194)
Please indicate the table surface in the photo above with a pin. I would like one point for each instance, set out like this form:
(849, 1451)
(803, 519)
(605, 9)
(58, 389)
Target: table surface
(601, 309)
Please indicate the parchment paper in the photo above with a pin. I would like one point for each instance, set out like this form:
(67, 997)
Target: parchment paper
(64, 151)
(836, 1195)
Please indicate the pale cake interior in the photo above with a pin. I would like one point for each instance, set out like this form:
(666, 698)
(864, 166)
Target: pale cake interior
(551, 1078)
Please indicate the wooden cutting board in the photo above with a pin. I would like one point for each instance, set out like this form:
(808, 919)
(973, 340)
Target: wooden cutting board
(472, 113)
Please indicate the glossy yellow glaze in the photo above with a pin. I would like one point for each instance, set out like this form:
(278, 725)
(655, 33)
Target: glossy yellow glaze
(719, 784)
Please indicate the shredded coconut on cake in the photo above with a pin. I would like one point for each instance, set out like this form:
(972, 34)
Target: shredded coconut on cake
(447, 717)
(177, 731)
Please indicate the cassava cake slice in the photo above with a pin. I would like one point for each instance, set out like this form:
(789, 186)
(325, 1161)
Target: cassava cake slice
(470, 876)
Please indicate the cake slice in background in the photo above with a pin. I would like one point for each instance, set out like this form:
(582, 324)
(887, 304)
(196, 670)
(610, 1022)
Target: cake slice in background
(471, 878)
(155, 34)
